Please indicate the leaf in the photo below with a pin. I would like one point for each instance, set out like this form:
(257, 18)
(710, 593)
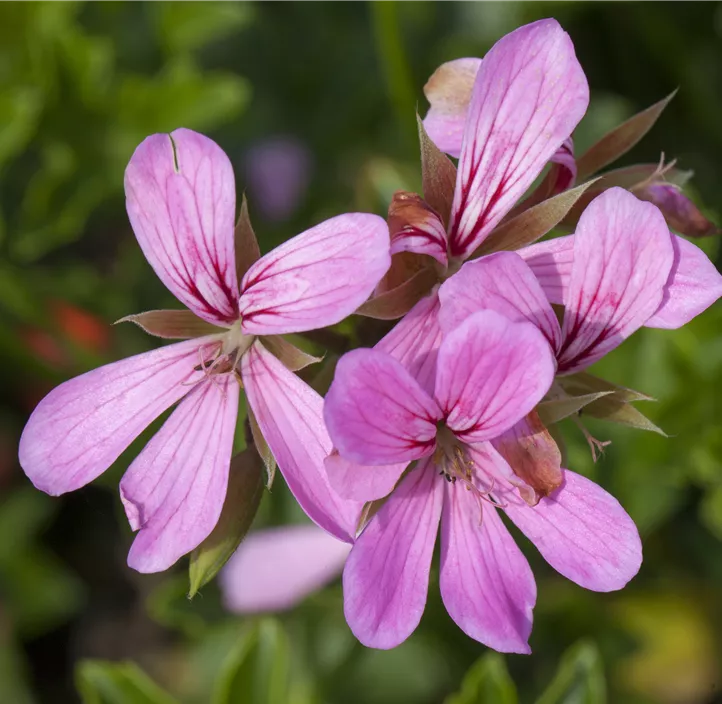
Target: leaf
(289, 355)
(532, 224)
(101, 682)
(579, 678)
(557, 409)
(487, 681)
(262, 449)
(243, 497)
(246, 242)
(256, 671)
(172, 324)
(20, 109)
(438, 175)
(395, 303)
(620, 140)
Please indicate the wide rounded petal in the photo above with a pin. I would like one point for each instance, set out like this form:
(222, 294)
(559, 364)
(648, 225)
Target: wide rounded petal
(529, 95)
(490, 373)
(362, 482)
(449, 93)
(290, 415)
(81, 427)
(623, 255)
(582, 532)
(316, 278)
(501, 282)
(386, 578)
(486, 583)
(376, 413)
(551, 261)
(694, 285)
(277, 568)
(173, 492)
(415, 340)
(181, 201)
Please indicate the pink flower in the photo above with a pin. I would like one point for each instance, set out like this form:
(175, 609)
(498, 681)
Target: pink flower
(490, 373)
(276, 568)
(181, 203)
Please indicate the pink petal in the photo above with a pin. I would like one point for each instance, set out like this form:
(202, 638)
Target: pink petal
(551, 261)
(316, 278)
(529, 95)
(81, 427)
(449, 93)
(277, 568)
(567, 171)
(415, 341)
(376, 413)
(694, 284)
(386, 578)
(486, 583)
(181, 201)
(490, 373)
(361, 482)
(623, 255)
(174, 490)
(501, 282)
(290, 416)
(582, 532)
(416, 227)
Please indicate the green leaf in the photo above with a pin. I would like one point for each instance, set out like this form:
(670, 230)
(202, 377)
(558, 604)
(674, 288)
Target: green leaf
(579, 678)
(102, 682)
(487, 681)
(20, 110)
(188, 25)
(245, 488)
(256, 671)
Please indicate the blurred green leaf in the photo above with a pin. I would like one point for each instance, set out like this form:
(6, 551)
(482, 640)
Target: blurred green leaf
(102, 682)
(243, 497)
(185, 26)
(486, 682)
(19, 113)
(579, 679)
(256, 671)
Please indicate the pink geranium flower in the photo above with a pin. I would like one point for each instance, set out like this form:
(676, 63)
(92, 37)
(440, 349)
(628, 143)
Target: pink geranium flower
(181, 203)
(490, 373)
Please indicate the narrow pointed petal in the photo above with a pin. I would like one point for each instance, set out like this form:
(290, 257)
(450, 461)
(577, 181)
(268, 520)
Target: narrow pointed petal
(486, 583)
(529, 95)
(316, 278)
(582, 532)
(623, 255)
(449, 92)
(415, 341)
(694, 284)
(501, 282)
(376, 412)
(181, 201)
(415, 227)
(386, 578)
(277, 568)
(81, 427)
(362, 482)
(490, 373)
(290, 416)
(173, 491)
(551, 262)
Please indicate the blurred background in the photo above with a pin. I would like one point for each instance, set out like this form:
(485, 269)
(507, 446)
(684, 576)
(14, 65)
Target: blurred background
(314, 103)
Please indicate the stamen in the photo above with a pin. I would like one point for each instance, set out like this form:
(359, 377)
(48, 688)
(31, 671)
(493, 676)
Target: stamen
(596, 446)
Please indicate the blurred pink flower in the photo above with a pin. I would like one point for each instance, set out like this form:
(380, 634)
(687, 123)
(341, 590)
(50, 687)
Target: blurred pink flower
(490, 373)
(181, 203)
(277, 172)
(276, 568)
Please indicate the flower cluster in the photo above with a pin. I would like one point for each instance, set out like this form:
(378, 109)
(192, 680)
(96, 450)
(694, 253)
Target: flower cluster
(443, 423)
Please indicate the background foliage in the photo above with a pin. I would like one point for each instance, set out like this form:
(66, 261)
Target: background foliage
(335, 87)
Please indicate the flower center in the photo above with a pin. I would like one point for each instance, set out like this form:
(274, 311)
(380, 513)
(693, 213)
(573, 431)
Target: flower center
(225, 358)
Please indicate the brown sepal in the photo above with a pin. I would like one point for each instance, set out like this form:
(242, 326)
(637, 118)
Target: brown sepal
(172, 324)
(289, 355)
(246, 243)
(263, 450)
(400, 300)
(438, 176)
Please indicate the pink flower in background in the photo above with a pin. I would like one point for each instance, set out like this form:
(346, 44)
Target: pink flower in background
(490, 373)
(276, 568)
(277, 173)
(181, 203)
